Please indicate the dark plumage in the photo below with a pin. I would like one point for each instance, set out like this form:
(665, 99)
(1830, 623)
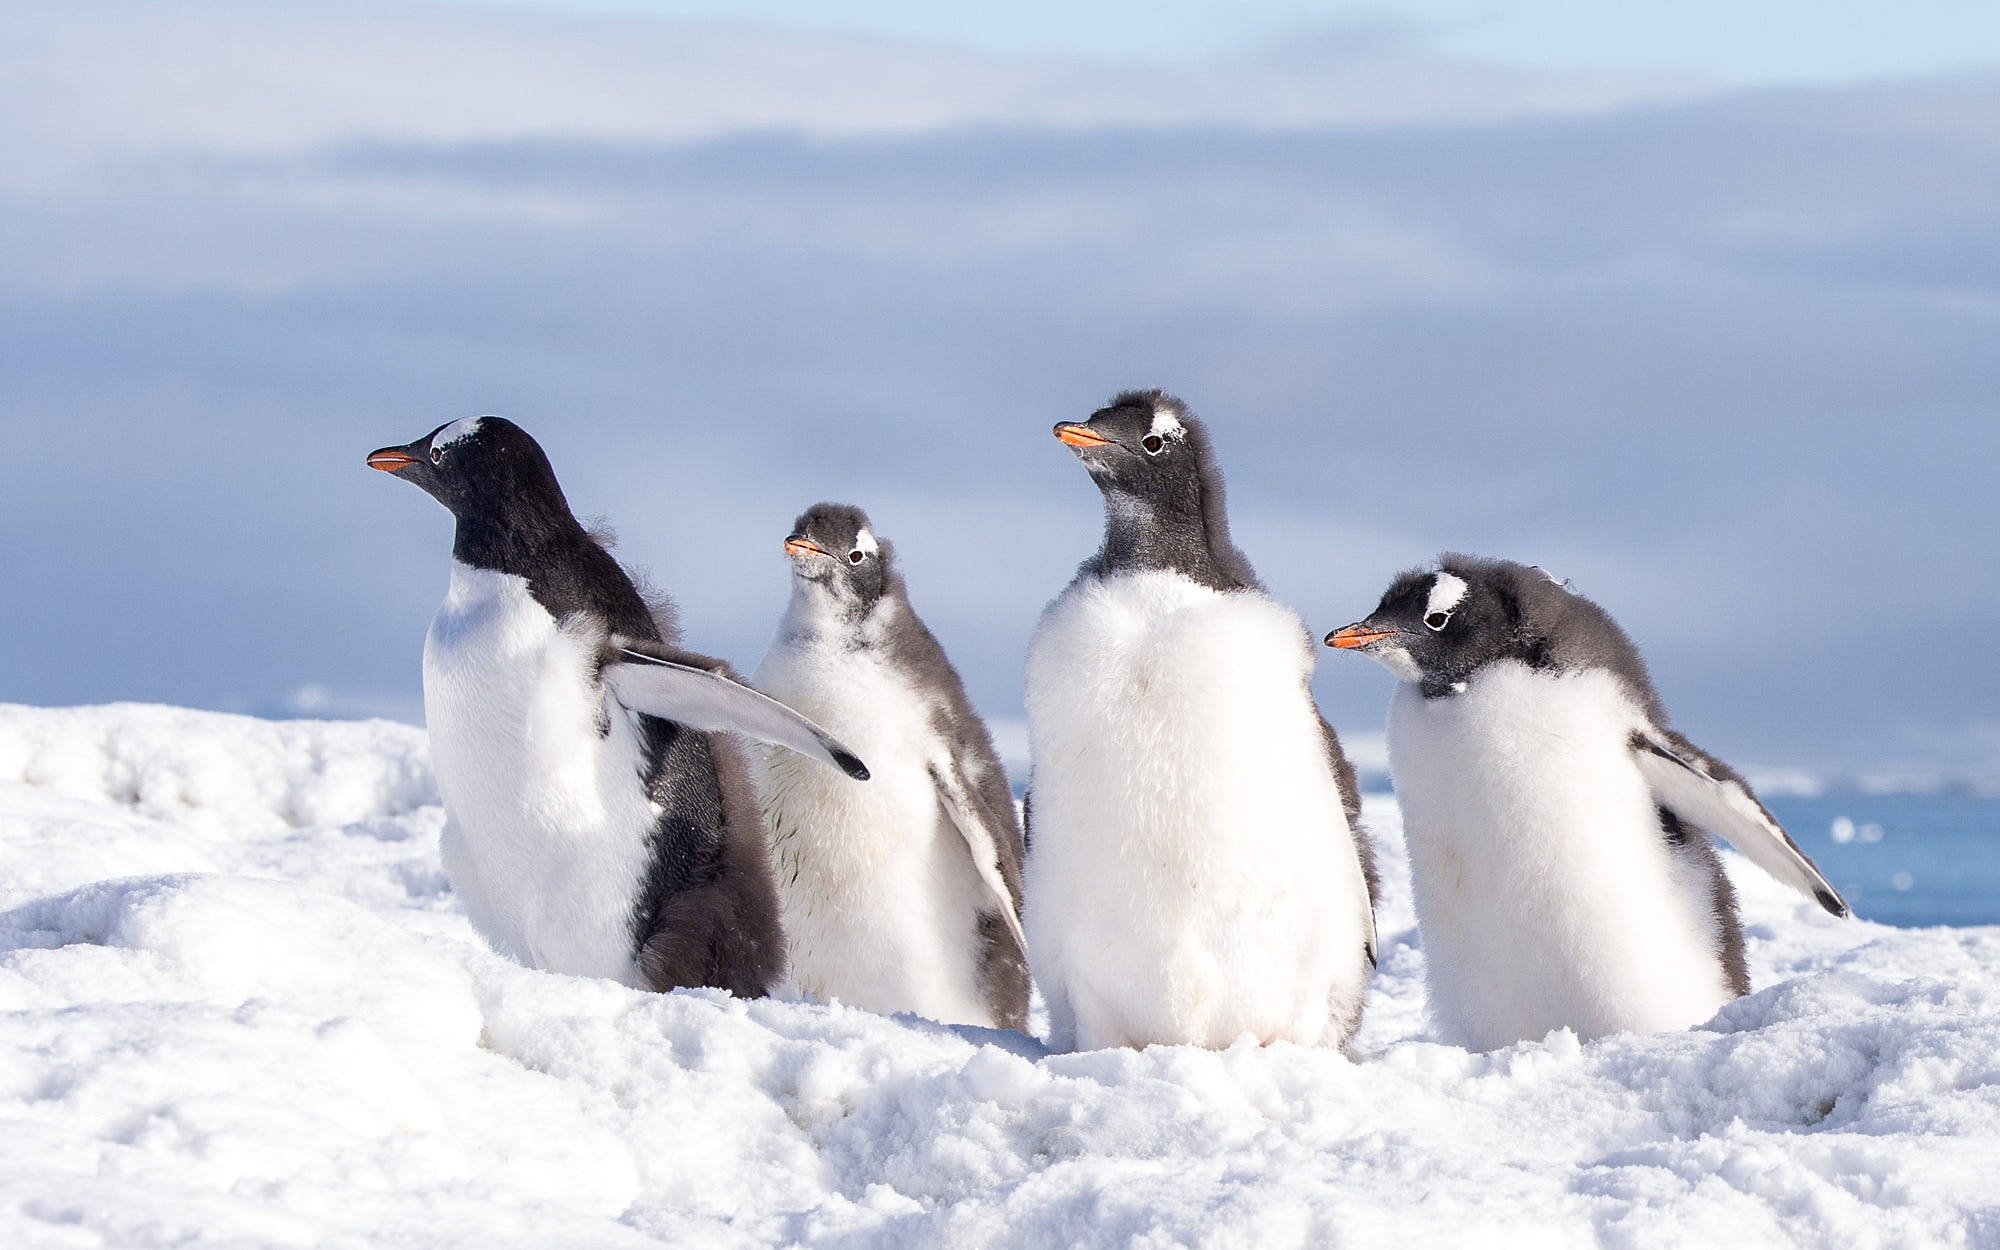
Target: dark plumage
(1512, 754)
(1196, 870)
(705, 912)
(851, 635)
(1169, 511)
(1165, 509)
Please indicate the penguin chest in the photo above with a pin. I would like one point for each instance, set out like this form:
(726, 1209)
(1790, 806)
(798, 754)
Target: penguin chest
(548, 819)
(1191, 876)
(879, 894)
(1547, 894)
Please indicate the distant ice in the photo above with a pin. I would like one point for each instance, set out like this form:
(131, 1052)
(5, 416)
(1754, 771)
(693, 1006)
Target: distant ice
(239, 1007)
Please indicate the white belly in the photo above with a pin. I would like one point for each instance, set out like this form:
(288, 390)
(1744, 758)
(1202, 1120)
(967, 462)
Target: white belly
(1546, 894)
(1191, 876)
(545, 841)
(877, 887)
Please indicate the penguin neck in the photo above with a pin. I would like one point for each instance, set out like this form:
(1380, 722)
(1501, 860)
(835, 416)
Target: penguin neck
(516, 541)
(567, 571)
(1139, 538)
(819, 612)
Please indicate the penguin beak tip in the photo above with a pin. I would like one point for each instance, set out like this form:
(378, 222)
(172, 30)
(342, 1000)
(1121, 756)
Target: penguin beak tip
(1077, 435)
(1355, 637)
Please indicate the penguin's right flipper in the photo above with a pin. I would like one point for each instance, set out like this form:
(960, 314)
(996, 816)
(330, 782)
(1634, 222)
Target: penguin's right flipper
(1703, 791)
(981, 841)
(712, 702)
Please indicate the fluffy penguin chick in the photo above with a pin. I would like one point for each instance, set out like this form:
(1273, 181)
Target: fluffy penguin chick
(1553, 819)
(901, 895)
(1195, 871)
(595, 822)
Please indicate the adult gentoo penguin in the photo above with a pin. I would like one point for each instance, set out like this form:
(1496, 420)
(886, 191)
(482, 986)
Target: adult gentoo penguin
(1195, 870)
(596, 822)
(900, 895)
(1554, 821)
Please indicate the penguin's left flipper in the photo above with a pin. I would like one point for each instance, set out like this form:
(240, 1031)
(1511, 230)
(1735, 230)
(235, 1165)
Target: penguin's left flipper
(713, 702)
(1705, 792)
(979, 840)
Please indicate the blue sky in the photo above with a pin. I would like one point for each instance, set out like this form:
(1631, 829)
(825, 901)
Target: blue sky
(1720, 353)
(1765, 42)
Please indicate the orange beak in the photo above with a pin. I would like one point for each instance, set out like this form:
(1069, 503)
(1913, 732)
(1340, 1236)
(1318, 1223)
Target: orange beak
(1355, 636)
(390, 459)
(1079, 435)
(800, 545)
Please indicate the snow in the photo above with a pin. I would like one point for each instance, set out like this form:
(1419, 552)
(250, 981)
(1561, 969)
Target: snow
(238, 1007)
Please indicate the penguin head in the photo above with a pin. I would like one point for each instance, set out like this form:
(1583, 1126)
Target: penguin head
(481, 468)
(1163, 495)
(835, 552)
(1438, 627)
(1143, 449)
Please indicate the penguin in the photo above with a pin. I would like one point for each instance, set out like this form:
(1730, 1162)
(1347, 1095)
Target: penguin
(902, 895)
(597, 820)
(1196, 870)
(1555, 822)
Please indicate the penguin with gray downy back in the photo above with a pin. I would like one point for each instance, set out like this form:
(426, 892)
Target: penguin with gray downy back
(1555, 822)
(598, 823)
(901, 895)
(1195, 867)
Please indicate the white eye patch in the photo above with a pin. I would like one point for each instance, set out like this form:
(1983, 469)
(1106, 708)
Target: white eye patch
(1446, 591)
(865, 543)
(1167, 425)
(458, 431)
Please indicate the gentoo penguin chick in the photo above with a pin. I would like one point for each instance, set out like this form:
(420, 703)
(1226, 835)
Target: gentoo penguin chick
(596, 822)
(1554, 821)
(1195, 870)
(900, 895)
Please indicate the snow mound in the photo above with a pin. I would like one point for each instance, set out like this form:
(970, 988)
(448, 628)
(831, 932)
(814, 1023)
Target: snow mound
(254, 1018)
(218, 772)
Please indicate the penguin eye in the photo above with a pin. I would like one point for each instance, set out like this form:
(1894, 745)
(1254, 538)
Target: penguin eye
(1152, 444)
(856, 556)
(1437, 621)
(437, 456)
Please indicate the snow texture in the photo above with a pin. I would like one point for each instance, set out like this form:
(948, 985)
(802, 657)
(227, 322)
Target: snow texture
(239, 1007)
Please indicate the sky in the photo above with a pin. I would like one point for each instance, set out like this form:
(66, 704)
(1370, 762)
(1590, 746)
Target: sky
(1768, 42)
(1699, 316)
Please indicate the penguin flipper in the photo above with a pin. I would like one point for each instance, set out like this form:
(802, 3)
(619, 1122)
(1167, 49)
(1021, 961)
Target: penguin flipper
(713, 702)
(980, 841)
(1705, 792)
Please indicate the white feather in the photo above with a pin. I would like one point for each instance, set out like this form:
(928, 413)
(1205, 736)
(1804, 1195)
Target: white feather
(713, 703)
(457, 431)
(1191, 877)
(1726, 809)
(1546, 893)
(880, 894)
(546, 819)
(1446, 590)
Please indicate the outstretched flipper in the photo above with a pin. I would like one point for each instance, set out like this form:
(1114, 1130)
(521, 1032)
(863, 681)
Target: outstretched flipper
(980, 841)
(713, 702)
(1707, 793)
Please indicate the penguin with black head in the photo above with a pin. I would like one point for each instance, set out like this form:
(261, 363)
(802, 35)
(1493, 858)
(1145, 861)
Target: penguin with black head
(598, 820)
(901, 895)
(1195, 867)
(1556, 824)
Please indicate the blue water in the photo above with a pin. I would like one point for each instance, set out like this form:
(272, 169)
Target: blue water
(1904, 859)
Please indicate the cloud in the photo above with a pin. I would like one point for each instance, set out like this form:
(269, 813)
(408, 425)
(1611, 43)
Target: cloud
(100, 82)
(1727, 363)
